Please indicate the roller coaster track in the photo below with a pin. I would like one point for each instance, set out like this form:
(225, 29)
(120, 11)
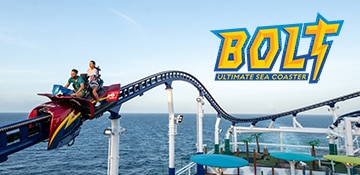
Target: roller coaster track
(139, 87)
(17, 136)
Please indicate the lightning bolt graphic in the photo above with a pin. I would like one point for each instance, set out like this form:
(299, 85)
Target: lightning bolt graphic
(319, 47)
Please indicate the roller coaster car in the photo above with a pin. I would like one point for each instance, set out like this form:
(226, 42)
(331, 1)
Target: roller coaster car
(68, 113)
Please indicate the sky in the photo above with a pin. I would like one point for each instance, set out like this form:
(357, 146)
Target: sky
(41, 41)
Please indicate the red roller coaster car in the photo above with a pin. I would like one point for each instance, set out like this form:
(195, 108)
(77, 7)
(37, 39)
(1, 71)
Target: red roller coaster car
(68, 113)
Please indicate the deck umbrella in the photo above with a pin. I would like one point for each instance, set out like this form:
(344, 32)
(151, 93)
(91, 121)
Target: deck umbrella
(219, 162)
(292, 158)
(348, 161)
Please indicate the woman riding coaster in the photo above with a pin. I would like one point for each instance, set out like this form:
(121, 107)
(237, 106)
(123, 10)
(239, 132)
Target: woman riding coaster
(94, 76)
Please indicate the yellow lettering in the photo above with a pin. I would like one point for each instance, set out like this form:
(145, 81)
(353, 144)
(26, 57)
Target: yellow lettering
(290, 50)
(231, 53)
(270, 34)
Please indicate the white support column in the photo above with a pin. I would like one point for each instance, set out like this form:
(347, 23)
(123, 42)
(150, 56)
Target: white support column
(292, 167)
(333, 112)
(348, 137)
(199, 121)
(113, 159)
(109, 157)
(227, 149)
(296, 123)
(281, 142)
(235, 140)
(171, 131)
(271, 124)
(216, 135)
(335, 143)
(229, 131)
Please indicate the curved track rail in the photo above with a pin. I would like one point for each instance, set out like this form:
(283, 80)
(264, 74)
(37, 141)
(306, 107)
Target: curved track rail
(139, 87)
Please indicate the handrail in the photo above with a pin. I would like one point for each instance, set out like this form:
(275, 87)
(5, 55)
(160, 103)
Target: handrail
(186, 168)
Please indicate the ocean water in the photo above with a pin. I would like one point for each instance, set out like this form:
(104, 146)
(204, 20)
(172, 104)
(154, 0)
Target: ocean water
(143, 147)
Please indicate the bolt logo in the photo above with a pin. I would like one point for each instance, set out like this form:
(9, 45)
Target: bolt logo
(112, 96)
(265, 47)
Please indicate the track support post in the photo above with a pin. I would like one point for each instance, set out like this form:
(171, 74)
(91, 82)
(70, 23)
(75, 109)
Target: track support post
(216, 135)
(199, 121)
(333, 141)
(114, 140)
(171, 129)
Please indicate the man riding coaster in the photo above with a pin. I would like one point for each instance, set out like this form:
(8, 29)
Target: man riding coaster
(78, 84)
